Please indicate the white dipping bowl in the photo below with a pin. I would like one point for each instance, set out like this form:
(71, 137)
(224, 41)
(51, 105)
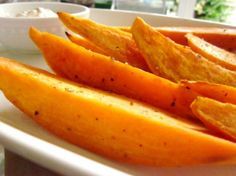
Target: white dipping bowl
(14, 30)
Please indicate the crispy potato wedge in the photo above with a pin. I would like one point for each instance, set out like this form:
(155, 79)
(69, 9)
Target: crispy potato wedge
(220, 117)
(221, 37)
(218, 92)
(116, 43)
(213, 53)
(85, 43)
(174, 61)
(78, 64)
(106, 123)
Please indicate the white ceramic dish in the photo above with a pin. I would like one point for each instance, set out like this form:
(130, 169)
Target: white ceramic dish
(22, 136)
(14, 30)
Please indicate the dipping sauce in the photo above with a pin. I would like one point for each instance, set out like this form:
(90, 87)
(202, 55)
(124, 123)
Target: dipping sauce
(38, 12)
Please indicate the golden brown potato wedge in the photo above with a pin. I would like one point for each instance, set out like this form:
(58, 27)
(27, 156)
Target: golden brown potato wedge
(108, 124)
(78, 64)
(116, 43)
(218, 92)
(174, 61)
(213, 53)
(85, 43)
(221, 37)
(220, 117)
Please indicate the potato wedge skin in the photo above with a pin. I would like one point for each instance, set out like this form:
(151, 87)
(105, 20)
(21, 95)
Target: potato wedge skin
(174, 61)
(211, 52)
(116, 43)
(93, 69)
(218, 116)
(107, 124)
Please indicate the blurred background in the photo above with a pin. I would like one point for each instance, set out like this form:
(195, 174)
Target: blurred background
(214, 10)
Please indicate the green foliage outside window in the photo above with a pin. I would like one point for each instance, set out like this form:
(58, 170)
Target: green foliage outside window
(216, 10)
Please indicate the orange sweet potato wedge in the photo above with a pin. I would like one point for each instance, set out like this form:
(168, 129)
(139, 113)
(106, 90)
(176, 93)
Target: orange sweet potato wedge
(116, 43)
(218, 92)
(108, 124)
(221, 37)
(176, 62)
(218, 116)
(78, 64)
(213, 53)
(85, 43)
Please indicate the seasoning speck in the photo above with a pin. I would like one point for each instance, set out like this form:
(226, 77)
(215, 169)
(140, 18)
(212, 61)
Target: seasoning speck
(199, 56)
(68, 89)
(173, 103)
(187, 87)
(36, 113)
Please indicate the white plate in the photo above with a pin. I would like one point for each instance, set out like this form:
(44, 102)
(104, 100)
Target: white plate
(22, 136)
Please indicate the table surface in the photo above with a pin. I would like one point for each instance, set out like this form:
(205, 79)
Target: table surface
(12, 164)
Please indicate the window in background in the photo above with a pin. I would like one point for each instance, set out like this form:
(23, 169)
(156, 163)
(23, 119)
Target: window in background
(213, 10)
(216, 10)
(153, 6)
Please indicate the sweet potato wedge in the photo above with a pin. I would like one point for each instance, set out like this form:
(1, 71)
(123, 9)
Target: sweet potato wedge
(78, 64)
(85, 43)
(218, 92)
(106, 123)
(221, 37)
(213, 53)
(116, 43)
(174, 61)
(220, 117)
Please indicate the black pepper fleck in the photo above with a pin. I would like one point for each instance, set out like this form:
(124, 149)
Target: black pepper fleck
(187, 87)
(173, 103)
(36, 113)
(199, 56)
